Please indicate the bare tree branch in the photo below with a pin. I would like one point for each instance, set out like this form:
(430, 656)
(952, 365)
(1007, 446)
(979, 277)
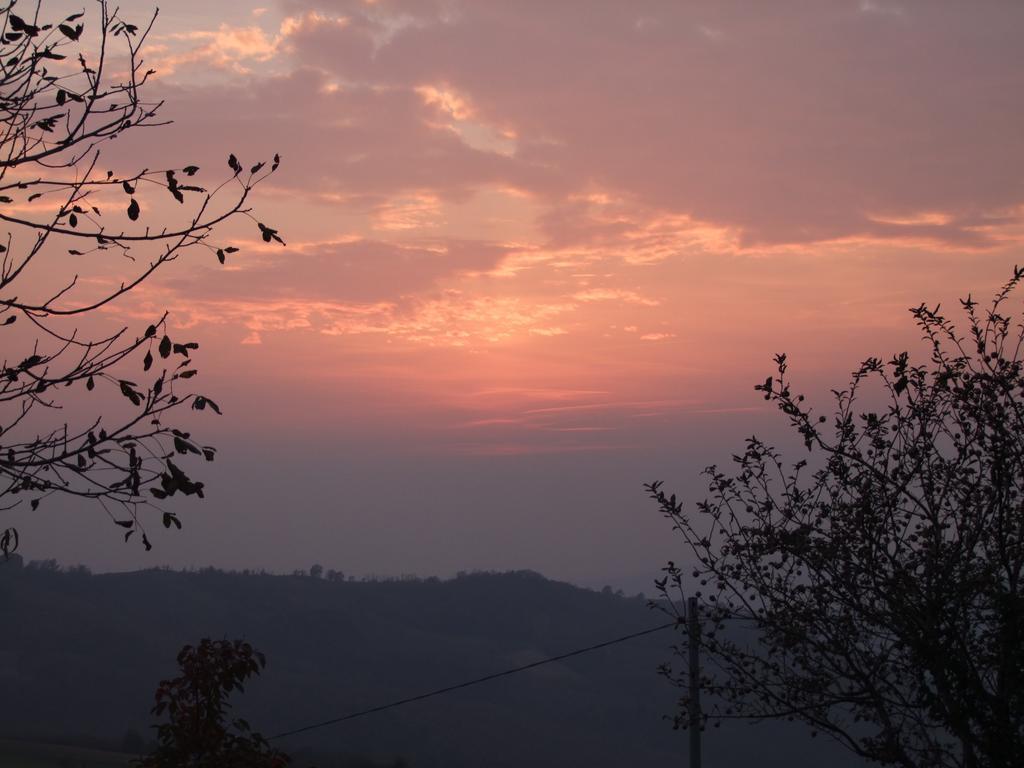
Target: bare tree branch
(58, 107)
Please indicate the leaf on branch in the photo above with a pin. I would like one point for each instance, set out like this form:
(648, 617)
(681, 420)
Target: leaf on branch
(269, 234)
(128, 188)
(179, 481)
(125, 523)
(147, 361)
(190, 170)
(182, 349)
(234, 165)
(47, 123)
(133, 210)
(183, 446)
(172, 186)
(127, 29)
(10, 319)
(18, 24)
(165, 347)
(73, 220)
(200, 403)
(150, 332)
(72, 33)
(171, 519)
(34, 504)
(220, 255)
(131, 394)
(277, 162)
(90, 384)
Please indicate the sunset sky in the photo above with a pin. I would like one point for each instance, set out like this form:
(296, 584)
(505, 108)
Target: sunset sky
(538, 253)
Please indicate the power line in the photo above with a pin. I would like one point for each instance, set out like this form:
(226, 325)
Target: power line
(468, 683)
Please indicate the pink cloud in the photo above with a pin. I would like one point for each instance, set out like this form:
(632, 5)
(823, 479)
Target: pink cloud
(792, 122)
(355, 271)
(655, 153)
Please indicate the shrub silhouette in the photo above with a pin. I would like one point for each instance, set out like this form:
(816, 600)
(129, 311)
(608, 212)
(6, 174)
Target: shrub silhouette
(196, 704)
(882, 574)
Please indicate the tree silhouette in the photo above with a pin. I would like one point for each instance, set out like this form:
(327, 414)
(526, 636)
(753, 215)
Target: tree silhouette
(60, 214)
(881, 576)
(196, 734)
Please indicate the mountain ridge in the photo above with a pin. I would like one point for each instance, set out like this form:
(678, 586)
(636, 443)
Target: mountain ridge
(82, 654)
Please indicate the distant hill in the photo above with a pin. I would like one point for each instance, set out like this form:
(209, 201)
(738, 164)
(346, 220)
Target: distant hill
(81, 654)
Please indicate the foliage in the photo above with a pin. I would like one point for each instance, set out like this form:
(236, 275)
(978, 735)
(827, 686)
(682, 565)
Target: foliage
(196, 704)
(59, 104)
(882, 575)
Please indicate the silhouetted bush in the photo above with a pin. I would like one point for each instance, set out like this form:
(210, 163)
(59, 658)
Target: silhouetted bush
(882, 575)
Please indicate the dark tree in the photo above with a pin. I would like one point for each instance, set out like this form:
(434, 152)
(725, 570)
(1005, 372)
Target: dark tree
(880, 577)
(63, 218)
(197, 734)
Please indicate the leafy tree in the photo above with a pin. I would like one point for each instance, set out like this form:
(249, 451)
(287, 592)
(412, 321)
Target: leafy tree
(61, 214)
(196, 734)
(881, 576)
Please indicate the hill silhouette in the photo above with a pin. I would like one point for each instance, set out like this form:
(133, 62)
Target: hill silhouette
(81, 654)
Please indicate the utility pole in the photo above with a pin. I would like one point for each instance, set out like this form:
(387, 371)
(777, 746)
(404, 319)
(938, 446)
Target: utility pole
(693, 625)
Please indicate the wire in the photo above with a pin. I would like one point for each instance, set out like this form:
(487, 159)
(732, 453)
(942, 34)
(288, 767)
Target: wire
(468, 683)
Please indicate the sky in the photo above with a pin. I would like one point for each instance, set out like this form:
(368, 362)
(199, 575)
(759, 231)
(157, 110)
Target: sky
(538, 253)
